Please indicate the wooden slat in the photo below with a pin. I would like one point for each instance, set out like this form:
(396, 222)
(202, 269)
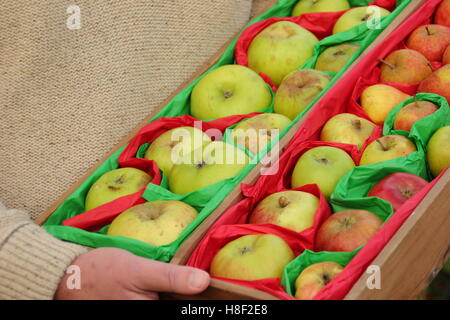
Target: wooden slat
(223, 290)
(416, 253)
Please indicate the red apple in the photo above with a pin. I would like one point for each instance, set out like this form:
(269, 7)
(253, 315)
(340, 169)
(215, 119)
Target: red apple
(397, 187)
(446, 56)
(413, 112)
(430, 40)
(438, 82)
(443, 13)
(405, 66)
(347, 230)
(313, 278)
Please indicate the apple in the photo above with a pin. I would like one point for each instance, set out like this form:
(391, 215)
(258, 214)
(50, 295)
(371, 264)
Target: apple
(397, 187)
(378, 100)
(430, 40)
(255, 133)
(358, 15)
(323, 166)
(347, 128)
(229, 90)
(347, 230)
(336, 57)
(298, 90)
(387, 148)
(173, 144)
(438, 82)
(446, 56)
(115, 184)
(280, 49)
(412, 112)
(313, 278)
(158, 222)
(292, 209)
(443, 13)
(309, 6)
(252, 257)
(214, 162)
(405, 66)
(438, 151)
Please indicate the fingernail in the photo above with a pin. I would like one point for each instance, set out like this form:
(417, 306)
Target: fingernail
(198, 280)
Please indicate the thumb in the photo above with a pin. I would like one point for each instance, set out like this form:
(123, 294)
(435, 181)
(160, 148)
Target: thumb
(151, 275)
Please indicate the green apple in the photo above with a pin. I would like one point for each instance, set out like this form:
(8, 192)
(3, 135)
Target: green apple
(175, 144)
(298, 90)
(252, 257)
(323, 166)
(347, 128)
(280, 49)
(438, 151)
(294, 210)
(255, 133)
(356, 16)
(309, 6)
(314, 278)
(214, 162)
(387, 148)
(158, 222)
(229, 90)
(115, 184)
(336, 57)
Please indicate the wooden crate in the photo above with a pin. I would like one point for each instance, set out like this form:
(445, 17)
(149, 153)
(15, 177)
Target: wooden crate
(225, 290)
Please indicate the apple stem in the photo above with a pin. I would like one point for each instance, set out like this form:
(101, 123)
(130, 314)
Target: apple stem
(339, 53)
(227, 94)
(390, 65)
(430, 65)
(428, 30)
(381, 144)
(416, 103)
(357, 124)
(283, 202)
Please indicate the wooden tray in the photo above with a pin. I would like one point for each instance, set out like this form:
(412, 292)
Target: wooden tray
(418, 222)
(417, 251)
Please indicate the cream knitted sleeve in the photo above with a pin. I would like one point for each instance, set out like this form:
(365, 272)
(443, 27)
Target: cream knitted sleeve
(32, 262)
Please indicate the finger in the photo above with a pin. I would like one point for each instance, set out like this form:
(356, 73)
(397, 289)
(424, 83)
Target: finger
(140, 296)
(157, 276)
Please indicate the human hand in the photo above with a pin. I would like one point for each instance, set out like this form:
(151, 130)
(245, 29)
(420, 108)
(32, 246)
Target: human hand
(113, 274)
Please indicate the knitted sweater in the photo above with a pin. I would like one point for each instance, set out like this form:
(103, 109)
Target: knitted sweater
(32, 262)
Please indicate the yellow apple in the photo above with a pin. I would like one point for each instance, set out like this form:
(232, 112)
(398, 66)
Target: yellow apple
(378, 100)
(356, 16)
(309, 6)
(298, 90)
(323, 166)
(347, 128)
(174, 144)
(214, 162)
(280, 49)
(229, 90)
(252, 257)
(115, 184)
(387, 148)
(336, 57)
(294, 210)
(158, 222)
(313, 278)
(438, 151)
(256, 132)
